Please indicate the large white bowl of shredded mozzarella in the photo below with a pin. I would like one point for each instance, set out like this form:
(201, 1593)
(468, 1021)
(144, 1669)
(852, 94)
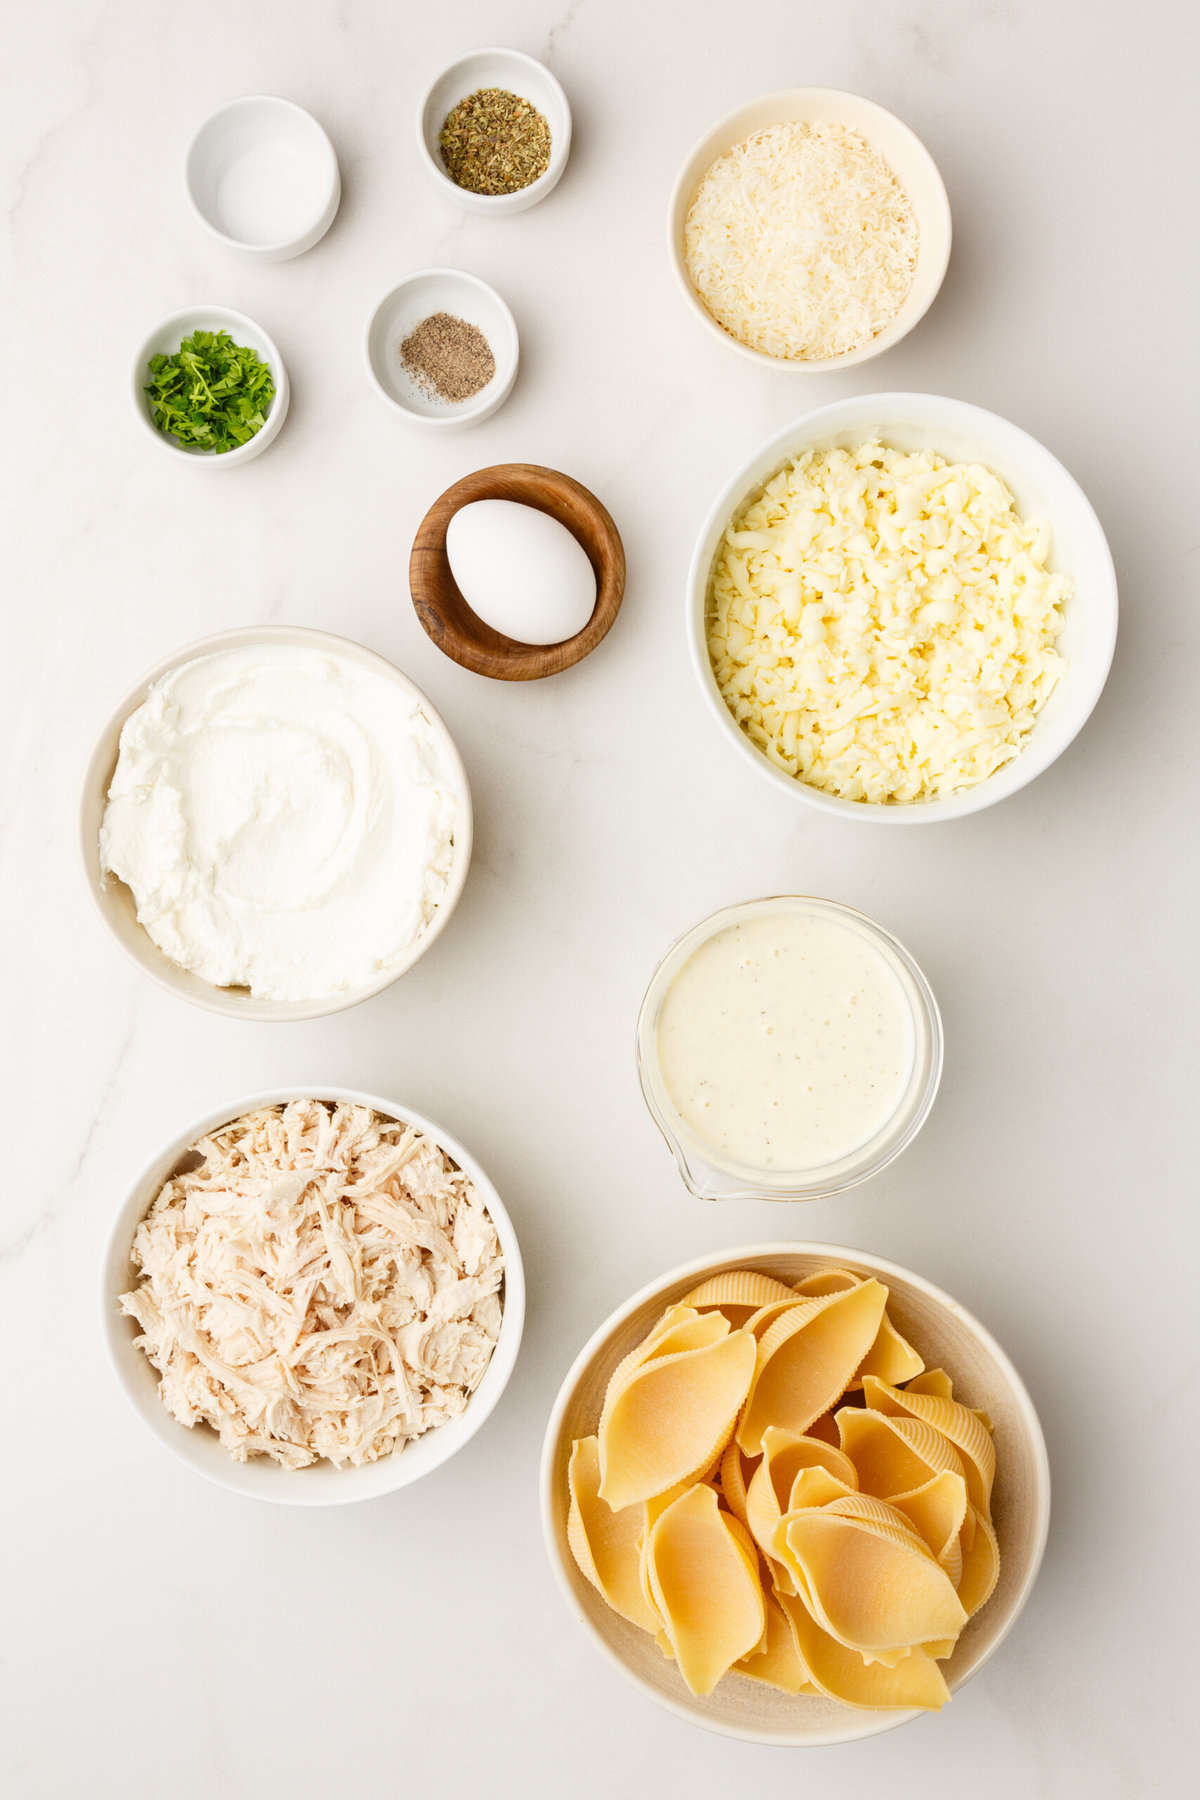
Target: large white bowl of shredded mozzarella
(313, 1296)
(902, 608)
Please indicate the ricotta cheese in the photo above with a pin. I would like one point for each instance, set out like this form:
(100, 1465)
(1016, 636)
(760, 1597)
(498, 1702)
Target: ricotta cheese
(801, 242)
(284, 818)
(882, 623)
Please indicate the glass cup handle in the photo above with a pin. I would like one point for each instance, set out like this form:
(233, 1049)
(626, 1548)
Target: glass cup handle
(701, 1179)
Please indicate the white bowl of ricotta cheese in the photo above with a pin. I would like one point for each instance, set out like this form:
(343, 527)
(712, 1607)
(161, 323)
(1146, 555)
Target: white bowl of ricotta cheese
(275, 823)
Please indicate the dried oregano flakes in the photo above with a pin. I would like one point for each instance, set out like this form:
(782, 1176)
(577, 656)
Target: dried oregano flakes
(494, 142)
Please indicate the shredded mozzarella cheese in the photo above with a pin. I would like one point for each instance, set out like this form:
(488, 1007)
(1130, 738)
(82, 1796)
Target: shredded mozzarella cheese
(882, 623)
(801, 242)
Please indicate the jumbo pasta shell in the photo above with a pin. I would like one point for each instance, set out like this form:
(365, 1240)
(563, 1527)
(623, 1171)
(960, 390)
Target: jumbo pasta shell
(788, 1453)
(760, 1322)
(879, 1515)
(891, 1357)
(763, 1513)
(785, 1456)
(841, 1674)
(937, 1509)
(806, 1358)
(737, 1293)
(932, 1381)
(680, 1328)
(957, 1423)
(607, 1545)
(826, 1429)
(816, 1486)
(733, 1480)
(874, 1590)
(779, 1663)
(706, 1588)
(937, 1382)
(827, 1281)
(672, 1419)
(981, 1565)
(893, 1455)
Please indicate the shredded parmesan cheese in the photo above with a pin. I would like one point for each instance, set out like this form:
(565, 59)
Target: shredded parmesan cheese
(324, 1283)
(881, 623)
(801, 242)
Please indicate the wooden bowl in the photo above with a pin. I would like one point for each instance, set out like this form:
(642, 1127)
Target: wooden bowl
(450, 622)
(948, 1337)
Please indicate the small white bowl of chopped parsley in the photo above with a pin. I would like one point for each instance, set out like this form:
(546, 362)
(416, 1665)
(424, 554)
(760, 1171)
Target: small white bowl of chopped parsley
(208, 383)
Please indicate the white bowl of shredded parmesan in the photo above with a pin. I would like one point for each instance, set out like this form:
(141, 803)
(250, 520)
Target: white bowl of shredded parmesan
(902, 609)
(313, 1296)
(810, 229)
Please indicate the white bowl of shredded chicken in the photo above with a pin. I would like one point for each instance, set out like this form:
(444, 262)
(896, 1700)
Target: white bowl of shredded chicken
(901, 609)
(810, 230)
(313, 1297)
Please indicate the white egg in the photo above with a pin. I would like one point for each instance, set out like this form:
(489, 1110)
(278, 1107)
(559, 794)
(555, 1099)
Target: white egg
(520, 571)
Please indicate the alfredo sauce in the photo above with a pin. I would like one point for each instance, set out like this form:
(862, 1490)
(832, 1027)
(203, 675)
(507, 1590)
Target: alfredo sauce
(786, 1041)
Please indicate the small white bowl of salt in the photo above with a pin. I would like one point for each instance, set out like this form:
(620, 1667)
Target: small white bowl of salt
(263, 177)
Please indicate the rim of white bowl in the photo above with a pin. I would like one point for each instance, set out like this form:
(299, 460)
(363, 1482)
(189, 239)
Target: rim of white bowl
(176, 1438)
(522, 198)
(464, 412)
(188, 318)
(333, 190)
(1015, 775)
(732, 1259)
(883, 340)
(237, 1003)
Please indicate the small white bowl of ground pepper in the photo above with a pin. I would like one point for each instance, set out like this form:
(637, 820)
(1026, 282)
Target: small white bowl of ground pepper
(442, 348)
(495, 130)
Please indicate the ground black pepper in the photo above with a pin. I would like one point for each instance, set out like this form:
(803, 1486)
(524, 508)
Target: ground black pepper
(448, 357)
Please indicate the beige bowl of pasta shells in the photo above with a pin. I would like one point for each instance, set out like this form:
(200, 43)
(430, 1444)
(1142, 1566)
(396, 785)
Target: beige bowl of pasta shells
(948, 1337)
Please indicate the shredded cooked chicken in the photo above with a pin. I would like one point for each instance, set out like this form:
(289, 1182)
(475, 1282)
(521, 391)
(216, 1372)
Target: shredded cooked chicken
(321, 1282)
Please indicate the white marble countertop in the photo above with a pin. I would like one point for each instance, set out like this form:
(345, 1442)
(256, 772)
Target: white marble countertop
(164, 1638)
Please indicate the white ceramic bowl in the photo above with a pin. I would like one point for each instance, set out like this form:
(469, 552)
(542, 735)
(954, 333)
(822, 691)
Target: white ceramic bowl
(947, 1336)
(166, 338)
(701, 1168)
(321, 1484)
(899, 147)
(263, 177)
(519, 74)
(1042, 489)
(463, 296)
(116, 901)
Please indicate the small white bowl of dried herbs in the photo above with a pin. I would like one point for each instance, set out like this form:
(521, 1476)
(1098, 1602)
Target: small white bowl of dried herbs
(209, 384)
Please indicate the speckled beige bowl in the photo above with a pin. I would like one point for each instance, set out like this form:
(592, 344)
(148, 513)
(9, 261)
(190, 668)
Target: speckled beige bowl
(947, 1336)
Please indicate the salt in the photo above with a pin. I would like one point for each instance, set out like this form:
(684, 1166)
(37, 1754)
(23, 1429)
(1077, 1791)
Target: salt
(269, 193)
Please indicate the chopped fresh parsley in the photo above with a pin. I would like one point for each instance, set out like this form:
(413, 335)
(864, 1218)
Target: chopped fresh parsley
(212, 394)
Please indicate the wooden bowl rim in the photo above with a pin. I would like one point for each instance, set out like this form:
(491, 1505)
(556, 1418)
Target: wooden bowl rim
(520, 662)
